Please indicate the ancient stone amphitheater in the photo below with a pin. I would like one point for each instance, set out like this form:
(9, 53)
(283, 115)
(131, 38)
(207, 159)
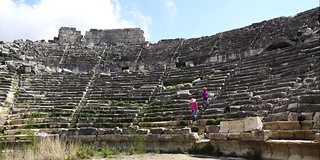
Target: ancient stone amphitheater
(109, 86)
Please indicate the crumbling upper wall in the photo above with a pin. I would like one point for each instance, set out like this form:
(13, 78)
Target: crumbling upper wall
(69, 35)
(96, 37)
(128, 35)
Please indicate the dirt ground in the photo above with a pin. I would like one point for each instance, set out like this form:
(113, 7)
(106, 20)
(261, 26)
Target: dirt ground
(151, 156)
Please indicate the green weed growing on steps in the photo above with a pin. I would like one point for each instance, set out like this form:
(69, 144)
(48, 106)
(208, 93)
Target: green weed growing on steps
(215, 121)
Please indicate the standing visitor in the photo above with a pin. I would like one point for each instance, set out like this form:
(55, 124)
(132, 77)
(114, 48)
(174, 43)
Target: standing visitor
(194, 109)
(205, 97)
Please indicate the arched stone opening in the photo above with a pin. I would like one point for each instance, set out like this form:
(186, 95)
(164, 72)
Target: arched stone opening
(277, 45)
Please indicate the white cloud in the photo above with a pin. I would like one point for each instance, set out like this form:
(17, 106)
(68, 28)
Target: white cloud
(171, 7)
(142, 20)
(43, 19)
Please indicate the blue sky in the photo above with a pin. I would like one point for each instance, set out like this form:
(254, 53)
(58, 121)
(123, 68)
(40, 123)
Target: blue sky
(160, 19)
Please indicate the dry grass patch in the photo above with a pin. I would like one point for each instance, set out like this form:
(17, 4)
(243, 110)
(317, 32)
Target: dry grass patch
(46, 148)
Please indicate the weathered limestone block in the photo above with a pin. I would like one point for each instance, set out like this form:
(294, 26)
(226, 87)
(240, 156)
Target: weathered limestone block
(286, 134)
(185, 130)
(317, 137)
(192, 136)
(293, 107)
(304, 134)
(283, 116)
(307, 125)
(16, 121)
(261, 135)
(183, 92)
(158, 130)
(88, 131)
(73, 131)
(286, 125)
(307, 115)
(293, 116)
(316, 125)
(218, 136)
(212, 128)
(316, 120)
(245, 136)
(316, 117)
(234, 136)
(224, 127)
(236, 126)
(252, 123)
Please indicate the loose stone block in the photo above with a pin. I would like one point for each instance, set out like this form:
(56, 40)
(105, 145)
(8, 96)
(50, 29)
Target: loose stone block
(293, 107)
(236, 126)
(213, 128)
(252, 123)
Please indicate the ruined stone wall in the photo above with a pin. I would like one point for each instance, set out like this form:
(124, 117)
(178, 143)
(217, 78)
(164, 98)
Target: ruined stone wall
(128, 35)
(69, 35)
(96, 37)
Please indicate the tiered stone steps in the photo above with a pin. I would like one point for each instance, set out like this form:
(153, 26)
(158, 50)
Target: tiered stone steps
(46, 101)
(5, 86)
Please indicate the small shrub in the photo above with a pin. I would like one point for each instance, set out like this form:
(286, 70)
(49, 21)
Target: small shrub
(215, 121)
(182, 123)
(106, 151)
(132, 150)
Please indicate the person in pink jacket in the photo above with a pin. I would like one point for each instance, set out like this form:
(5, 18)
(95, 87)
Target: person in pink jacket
(205, 97)
(194, 109)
